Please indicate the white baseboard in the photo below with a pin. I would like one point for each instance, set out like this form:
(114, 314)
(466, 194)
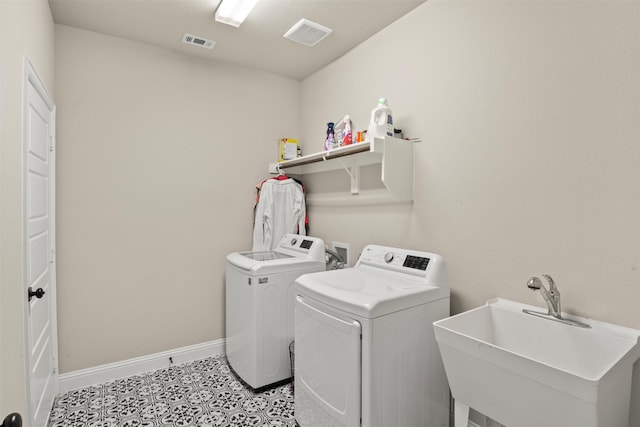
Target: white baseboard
(139, 365)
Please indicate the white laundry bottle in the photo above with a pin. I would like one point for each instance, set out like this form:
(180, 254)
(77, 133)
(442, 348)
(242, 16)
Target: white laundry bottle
(381, 123)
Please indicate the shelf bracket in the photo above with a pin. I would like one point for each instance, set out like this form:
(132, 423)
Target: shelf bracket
(353, 171)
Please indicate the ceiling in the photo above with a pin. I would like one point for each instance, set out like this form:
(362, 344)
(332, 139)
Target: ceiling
(258, 43)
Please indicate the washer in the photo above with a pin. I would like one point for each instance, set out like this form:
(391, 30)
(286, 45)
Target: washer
(365, 347)
(259, 307)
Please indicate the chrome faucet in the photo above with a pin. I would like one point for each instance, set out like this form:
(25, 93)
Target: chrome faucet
(551, 296)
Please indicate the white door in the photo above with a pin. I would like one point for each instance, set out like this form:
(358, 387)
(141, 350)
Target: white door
(39, 247)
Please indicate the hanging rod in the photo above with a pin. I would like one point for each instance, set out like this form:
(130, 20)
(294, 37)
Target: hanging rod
(327, 155)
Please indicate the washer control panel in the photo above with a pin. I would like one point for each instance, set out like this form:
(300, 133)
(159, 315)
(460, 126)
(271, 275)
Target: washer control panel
(302, 246)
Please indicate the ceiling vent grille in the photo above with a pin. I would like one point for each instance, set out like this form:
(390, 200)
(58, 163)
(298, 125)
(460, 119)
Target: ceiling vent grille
(198, 41)
(307, 32)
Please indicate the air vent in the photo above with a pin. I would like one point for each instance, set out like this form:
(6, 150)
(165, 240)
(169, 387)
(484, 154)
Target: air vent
(307, 32)
(198, 41)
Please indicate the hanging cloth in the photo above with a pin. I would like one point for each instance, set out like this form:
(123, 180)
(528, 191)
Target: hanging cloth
(280, 209)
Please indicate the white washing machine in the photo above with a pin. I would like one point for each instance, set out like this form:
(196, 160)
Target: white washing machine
(365, 347)
(259, 307)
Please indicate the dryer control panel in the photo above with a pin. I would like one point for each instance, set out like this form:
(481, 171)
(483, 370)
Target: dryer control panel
(425, 264)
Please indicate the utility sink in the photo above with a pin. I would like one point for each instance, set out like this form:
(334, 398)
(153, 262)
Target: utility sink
(527, 371)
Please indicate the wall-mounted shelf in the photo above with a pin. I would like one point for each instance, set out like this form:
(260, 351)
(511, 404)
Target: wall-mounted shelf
(394, 155)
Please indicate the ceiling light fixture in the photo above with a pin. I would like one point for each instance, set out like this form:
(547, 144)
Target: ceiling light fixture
(234, 12)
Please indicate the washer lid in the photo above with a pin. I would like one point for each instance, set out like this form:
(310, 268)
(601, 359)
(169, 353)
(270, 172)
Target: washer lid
(265, 255)
(269, 262)
(368, 292)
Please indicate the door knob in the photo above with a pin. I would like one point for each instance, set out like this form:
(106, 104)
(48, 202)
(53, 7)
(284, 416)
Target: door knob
(12, 420)
(38, 293)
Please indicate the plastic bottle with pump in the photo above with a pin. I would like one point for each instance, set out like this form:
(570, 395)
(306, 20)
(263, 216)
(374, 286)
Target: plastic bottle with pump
(381, 123)
(330, 141)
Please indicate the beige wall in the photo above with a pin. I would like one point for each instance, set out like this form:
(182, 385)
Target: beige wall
(158, 158)
(529, 160)
(26, 29)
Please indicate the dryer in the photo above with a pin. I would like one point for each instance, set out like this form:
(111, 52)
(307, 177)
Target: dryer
(259, 307)
(365, 347)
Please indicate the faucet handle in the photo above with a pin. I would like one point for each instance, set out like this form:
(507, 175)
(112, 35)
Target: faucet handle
(552, 285)
(554, 292)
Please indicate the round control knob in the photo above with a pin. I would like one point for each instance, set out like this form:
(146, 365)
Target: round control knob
(388, 257)
(294, 241)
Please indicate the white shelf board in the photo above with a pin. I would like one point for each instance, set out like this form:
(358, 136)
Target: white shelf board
(394, 155)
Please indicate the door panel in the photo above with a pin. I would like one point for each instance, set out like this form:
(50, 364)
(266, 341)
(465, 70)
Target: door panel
(38, 251)
(39, 186)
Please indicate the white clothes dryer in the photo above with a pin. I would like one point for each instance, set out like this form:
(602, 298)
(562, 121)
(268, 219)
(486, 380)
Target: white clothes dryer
(365, 347)
(259, 307)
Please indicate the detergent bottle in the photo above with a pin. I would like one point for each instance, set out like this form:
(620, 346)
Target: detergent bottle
(381, 123)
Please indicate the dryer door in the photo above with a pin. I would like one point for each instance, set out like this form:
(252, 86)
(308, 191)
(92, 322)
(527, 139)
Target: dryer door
(327, 367)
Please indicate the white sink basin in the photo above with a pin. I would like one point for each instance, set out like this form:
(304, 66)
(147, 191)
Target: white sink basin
(527, 371)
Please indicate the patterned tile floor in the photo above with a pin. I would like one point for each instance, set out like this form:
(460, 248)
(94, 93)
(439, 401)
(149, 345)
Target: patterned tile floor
(202, 393)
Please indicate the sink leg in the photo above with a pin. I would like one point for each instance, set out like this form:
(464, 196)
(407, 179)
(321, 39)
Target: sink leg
(461, 414)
